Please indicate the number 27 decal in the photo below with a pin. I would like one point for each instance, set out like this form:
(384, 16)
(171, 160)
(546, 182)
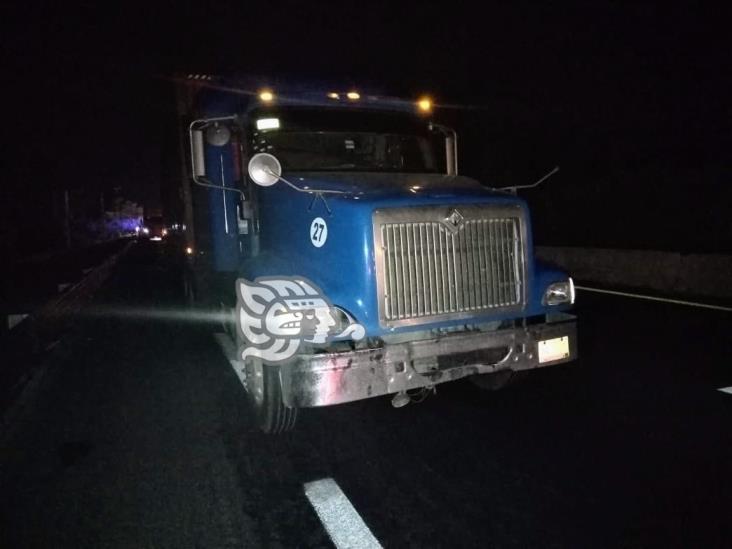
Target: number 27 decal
(318, 232)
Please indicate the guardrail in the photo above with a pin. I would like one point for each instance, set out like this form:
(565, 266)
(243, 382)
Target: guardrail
(48, 317)
(26, 350)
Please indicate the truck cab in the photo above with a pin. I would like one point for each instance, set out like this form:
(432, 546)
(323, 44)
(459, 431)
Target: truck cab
(332, 232)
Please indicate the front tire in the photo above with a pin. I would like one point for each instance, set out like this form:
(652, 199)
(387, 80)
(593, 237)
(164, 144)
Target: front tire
(265, 396)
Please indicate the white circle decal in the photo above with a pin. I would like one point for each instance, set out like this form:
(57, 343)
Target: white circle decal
(318, 232)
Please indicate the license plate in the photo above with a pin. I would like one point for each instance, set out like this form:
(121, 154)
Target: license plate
(553, 349)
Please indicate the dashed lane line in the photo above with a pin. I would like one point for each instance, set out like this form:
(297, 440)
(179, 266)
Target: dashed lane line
(344, 525)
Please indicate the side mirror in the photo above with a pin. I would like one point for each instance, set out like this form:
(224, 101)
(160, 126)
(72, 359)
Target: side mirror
(197, 154)
(217, 133)
(264, 169)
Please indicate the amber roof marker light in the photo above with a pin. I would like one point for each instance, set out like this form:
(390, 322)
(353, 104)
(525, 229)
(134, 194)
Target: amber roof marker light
(424, 105)
(266, 96)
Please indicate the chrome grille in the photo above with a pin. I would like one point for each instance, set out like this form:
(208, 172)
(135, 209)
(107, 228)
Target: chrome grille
(448, 262)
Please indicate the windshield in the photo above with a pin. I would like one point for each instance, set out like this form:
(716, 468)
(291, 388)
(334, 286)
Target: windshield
(307, 139)
(155, 220)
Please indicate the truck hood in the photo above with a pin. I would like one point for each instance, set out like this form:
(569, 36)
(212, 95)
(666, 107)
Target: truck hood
(342, 262)
(365, 185)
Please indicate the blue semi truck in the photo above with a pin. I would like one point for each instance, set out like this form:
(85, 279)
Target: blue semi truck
(331, 232)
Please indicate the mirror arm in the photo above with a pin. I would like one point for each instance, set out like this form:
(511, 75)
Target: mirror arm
(300, 190)
(203, 183)
(317, 192)
(452, 155)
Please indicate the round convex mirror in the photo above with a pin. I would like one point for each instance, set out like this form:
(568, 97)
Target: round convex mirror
(218, 135)
(264, 169)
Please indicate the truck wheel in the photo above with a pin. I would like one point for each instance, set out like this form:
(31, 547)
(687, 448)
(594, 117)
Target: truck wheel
(497, 380)
(265, 396)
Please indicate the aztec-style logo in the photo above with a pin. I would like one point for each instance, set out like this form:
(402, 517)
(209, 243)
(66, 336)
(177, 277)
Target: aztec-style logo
(276, 314)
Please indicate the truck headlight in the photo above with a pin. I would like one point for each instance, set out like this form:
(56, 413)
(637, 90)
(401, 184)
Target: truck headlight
(559, 293)
(342, 319)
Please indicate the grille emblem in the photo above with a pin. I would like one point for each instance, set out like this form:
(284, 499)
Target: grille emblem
(454, 220)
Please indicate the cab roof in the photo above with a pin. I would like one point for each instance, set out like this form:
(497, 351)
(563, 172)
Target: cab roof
(249, 92)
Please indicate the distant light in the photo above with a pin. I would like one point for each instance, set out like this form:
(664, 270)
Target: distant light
(189, 251)
(353, 95)
(334, 95)
(146, 230)
(156, 238)
(425, 104)
(266, 96)
(165, 232)
(268, 124)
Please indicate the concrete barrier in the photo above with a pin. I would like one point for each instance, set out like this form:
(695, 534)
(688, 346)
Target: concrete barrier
(707, 275)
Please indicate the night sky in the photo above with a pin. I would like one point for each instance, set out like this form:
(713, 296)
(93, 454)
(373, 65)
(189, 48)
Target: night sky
(630, 100)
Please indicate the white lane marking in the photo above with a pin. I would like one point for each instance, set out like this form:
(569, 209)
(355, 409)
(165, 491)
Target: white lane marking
(651, 298)
(727, 390)
(344, 525)
(14, 320)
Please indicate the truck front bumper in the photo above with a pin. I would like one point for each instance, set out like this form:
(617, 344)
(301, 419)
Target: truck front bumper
(334, 378)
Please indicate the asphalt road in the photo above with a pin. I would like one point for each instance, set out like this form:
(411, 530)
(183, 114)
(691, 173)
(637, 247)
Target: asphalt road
(139, 436)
